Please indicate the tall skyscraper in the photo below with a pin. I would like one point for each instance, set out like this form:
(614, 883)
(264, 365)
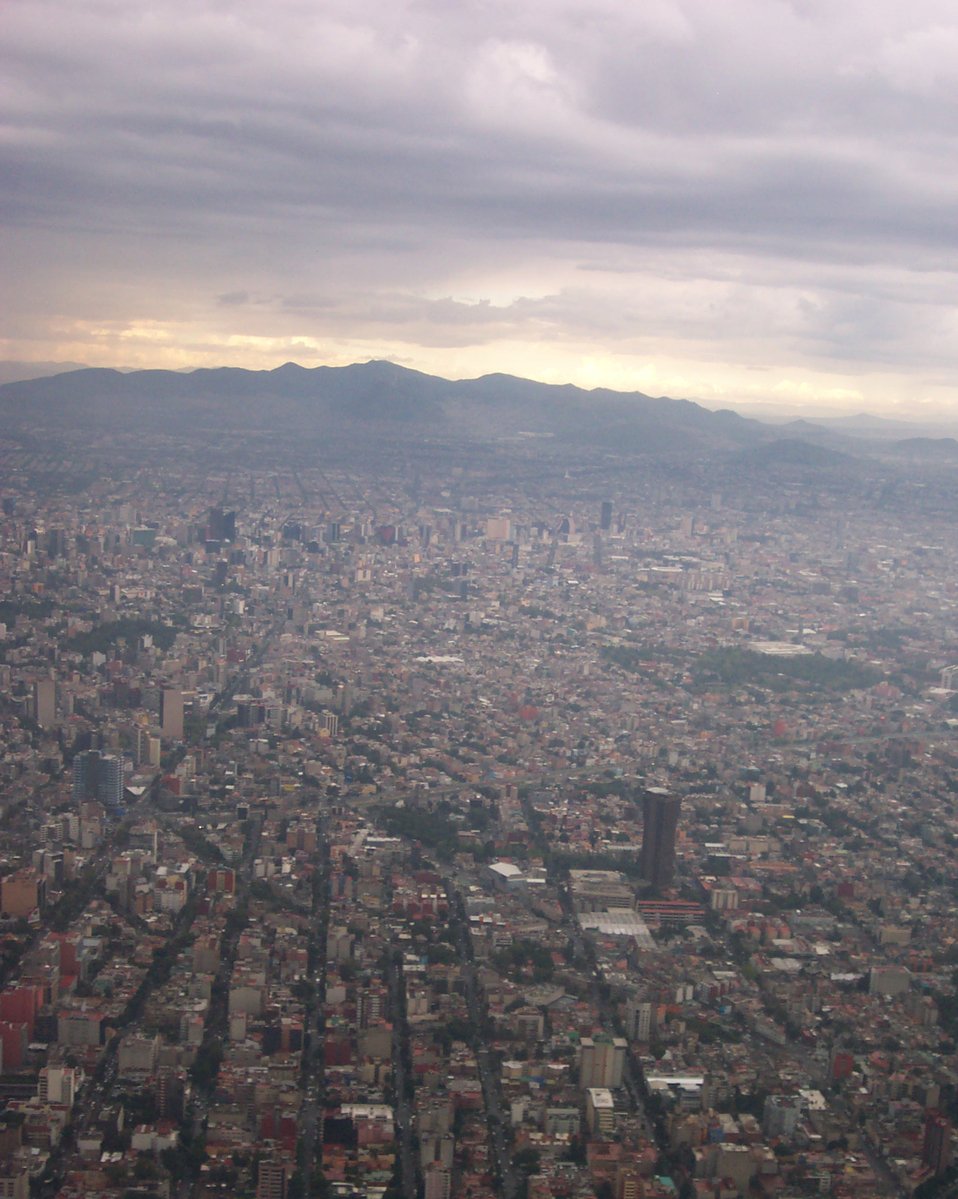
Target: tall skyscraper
(605, 516)
(661, 812)
(171, 714)
(221, 526)
(45, 703)
(936, 1148)
(98, 776)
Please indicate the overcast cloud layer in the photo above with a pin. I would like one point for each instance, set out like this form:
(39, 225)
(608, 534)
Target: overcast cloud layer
(741, 200)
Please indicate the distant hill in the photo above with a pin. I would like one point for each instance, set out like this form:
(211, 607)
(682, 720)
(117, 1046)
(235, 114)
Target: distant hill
(792, 452)
(372, 397)
(934, 449)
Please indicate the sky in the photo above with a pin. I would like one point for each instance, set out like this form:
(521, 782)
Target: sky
(739, 201)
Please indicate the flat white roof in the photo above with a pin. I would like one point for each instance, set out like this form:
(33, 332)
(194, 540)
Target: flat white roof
(618, 922)
(779, 649)
(506, 869)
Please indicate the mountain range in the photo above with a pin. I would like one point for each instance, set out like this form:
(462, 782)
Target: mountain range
(381, 399)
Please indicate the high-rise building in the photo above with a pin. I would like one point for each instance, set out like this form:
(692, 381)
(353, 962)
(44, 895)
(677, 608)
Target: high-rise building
(438, 1179)
(56, 543)
(780, 1115)
(936, 1147)
(147, 748)
(220, 525)
(170, 1092)
(98, 776)
(57, 1084)
(271, 1178)
(600, 1111)
(372, 1006)
(22, 892)
(601, 1061)
(171, 714)
(605, 516)
(629, 1183)
(661, 813)
(638, 1019)
(109, 785)
(45, 703)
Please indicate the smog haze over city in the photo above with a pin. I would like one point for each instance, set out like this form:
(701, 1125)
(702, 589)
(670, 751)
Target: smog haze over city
(478, 601)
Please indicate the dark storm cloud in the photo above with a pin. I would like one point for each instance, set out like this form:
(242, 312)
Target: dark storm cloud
(699, 116)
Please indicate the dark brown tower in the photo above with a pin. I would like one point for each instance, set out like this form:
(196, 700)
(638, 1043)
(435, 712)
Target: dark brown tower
(936, 1150)
(661, 813)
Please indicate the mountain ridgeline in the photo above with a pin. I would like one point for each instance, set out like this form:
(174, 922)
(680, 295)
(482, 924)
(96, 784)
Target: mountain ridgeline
(384, 403)
(371, 399)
